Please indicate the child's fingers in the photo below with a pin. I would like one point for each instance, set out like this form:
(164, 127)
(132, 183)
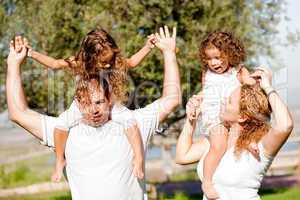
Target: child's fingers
(18, 43)
(157, 36)
(167, 31)
(151, 36)
(26, 43)
(257, 73)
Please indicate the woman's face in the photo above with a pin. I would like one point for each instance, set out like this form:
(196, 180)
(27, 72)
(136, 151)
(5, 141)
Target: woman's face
(230, 109)
(216, 61)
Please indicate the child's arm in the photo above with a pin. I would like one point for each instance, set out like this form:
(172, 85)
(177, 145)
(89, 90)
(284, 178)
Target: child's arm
(60, 140)
(244, 76)
(125, 117)
(135, 140)
(134, 60)
(48, 61)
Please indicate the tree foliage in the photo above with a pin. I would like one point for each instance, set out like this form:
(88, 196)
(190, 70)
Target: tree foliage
(57, 27)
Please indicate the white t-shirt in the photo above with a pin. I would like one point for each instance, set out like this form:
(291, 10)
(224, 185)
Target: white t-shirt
(99, 160)
(217, 88)
(239, 179)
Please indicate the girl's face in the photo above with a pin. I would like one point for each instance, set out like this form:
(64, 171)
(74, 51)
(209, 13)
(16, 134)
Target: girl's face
(217, 62)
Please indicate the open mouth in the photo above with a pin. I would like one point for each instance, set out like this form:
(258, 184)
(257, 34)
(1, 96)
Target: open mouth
(218, 69)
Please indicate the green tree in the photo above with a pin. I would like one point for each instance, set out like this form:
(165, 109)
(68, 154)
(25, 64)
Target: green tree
(57, 27)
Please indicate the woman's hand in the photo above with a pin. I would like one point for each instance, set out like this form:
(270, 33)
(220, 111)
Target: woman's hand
(164, 41)
(193, 107)
(264, 76)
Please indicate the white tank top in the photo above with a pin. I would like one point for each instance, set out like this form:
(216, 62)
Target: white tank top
(216, 88)
(239, 179)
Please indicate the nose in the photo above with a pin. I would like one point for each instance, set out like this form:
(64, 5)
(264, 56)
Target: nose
(94, 110)
(215, 61)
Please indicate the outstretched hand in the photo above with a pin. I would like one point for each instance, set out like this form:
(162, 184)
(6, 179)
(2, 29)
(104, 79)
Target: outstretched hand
(164, 41)
(17, 51)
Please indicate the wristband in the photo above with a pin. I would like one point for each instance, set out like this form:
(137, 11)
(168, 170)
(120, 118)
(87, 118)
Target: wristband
(270, 92)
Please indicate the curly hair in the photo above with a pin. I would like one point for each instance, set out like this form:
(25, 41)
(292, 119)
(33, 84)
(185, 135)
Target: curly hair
(229, 46)
(255, 108)
(99, 53)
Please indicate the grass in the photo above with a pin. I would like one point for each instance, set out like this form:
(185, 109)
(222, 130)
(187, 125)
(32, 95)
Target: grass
(27, 172)
(282, 194)
(61, 195)
(278, 194)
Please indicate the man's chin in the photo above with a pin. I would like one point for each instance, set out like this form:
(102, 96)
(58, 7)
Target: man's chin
(96, 124)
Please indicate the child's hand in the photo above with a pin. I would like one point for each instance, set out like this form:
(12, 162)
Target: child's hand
(29, 48)
(164, 41)
(151, 40)
(17, 51)
(138, 168)
(193, 107)
(264, 76)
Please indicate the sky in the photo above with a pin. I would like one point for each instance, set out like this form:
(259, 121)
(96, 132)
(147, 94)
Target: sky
(287, 79)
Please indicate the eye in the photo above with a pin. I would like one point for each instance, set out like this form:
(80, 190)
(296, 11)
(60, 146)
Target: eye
(100, 101)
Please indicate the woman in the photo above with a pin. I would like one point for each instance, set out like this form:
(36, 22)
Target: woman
(246, 114)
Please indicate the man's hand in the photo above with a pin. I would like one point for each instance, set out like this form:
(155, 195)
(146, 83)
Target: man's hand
(164, 41)
(17, 51)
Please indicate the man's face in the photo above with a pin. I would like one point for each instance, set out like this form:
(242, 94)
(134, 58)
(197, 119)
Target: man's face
(97, 110)
(217, 62)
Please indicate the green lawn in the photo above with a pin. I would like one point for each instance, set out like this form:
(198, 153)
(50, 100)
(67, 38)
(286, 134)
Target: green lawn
(280, 194)
(26, 172)
(62, 195)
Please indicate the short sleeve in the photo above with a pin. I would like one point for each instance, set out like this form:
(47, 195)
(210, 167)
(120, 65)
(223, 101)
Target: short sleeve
(48, 125)
(123, 116)
(148, 120)
(69, 118)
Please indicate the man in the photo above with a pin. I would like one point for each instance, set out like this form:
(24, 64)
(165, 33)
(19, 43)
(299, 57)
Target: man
(98, 158)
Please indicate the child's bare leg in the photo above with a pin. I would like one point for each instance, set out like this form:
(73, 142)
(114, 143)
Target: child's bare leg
(135, 139)
(60, 139)
(218, 143)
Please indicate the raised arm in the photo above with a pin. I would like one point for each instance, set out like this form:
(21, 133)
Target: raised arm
(188, 151)
(138, 57)
(16, 101)
(283, 122)
(48, 61)
(171, 95)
